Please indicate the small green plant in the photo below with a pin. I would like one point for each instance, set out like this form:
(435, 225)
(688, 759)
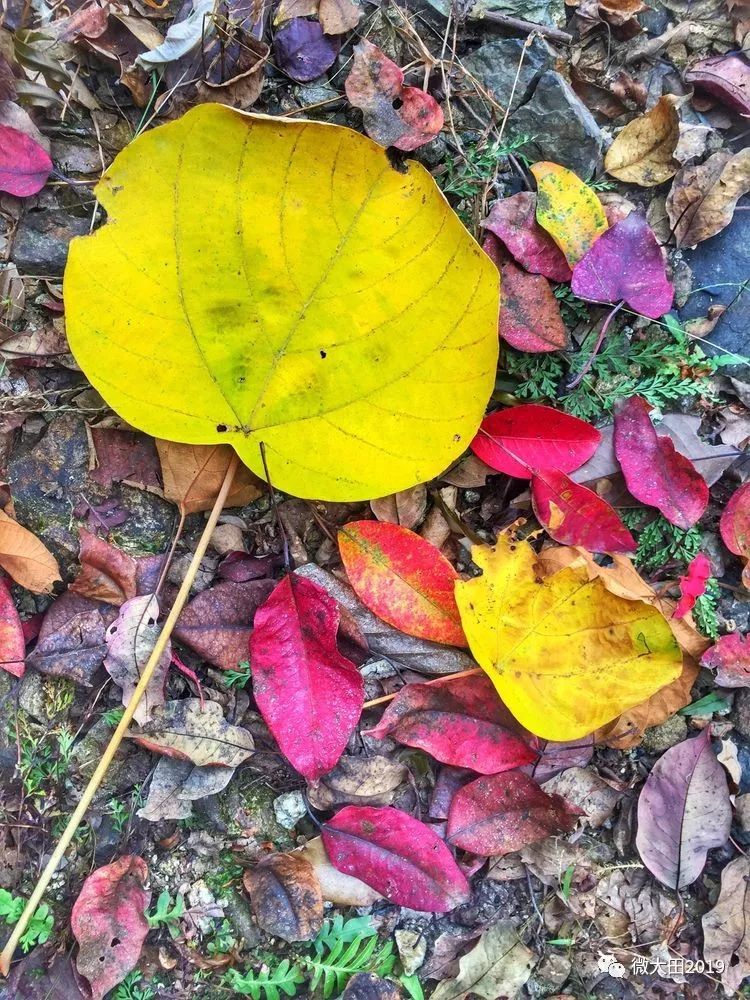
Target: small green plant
(45, 757)
(238, 678)
(120, 814)
(40, 925)
(167, 914)
(113, 716)
(266, 984)
(133, 988)
(226, 873)
(222, 939)
(466, 173)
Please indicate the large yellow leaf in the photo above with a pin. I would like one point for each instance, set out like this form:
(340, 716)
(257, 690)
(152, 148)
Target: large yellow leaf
(568, 209)
(271, 281)
(565, 654)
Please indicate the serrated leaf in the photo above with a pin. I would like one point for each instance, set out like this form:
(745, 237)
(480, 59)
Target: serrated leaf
(295, 264)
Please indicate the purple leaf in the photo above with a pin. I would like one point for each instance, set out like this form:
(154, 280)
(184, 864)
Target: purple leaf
(302, 51)
(626, 263)
(683, 812)
(726, 77)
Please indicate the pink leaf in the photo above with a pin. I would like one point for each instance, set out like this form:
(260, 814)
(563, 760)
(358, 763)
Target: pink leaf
(461, 722)
(501, 813)
(532, 437)
(626, 263)
(726, 77)
(735, 522)
(692, 585)
(513, 220)
(109, 923)
(310, 695)
(395, 854)
(12, 644)
(655, 472)
(730, 658)
(24, 165)
(574, 515)
(683, 812)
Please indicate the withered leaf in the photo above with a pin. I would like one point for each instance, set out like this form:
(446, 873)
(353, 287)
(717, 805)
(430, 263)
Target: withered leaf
(72, 639)
(362, 781)
(193, 474)
(643, 152)
(176, 784)
(130, 641)
(703, 198)
(107, 573)
(286, 897)
(187, 731)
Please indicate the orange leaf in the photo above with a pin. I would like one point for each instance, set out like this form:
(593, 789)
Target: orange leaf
(193, 474)
(25, 558)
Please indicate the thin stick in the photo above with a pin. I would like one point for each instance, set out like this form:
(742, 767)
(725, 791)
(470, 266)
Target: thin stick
(114, 744)
(451, 677)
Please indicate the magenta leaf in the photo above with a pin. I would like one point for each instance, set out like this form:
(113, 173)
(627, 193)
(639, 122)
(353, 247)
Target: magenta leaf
(24, 165)
(12, 643)
(574, 515)
(692, 585)
(730, 658)
(513, 220)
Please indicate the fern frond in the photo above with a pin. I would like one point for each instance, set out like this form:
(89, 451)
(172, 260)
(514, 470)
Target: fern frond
(332, 968)
(266, 984)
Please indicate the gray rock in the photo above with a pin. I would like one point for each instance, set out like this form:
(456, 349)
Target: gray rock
(41, 242)
(549, 12)
(563, 128)
(657, 739)
(495, 65)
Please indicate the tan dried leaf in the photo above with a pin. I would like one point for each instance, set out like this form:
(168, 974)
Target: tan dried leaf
(406, 508)
(286, 897)
(188, 731)
(26, 558)
(725, 927)
(338, 16)
(336, 887)
(193, 474)
(703, 198)
(643, 152)
(361, 781)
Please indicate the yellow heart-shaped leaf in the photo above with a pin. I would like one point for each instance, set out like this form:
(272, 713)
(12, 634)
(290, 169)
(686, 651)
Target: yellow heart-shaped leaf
(281, 282)
(565, 654)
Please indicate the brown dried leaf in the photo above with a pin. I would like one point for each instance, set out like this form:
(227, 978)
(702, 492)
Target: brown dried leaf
(406, 508)
(26, 558)
(193, 474)
(703, 198)
(286, 897)
(187, 731)
(361, 781)
(725, 927)
(338, 16)
(72, 639)
(176, 784)
(643, 152)
(107, 573)
(130, 641)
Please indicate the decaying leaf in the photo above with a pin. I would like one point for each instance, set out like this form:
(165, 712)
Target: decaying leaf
(397, 855)
(587, 791)
(360, 781)
(193, 474)
(404, 579)
(734, 527)
(189, 731)
(25, 558)
(406, 508)
(683, 811)
(310, 695)
(461, 722)
(575, 515)
(109, 922)
(519, 631)
(176, 784)
(513, 221)
(72, 639)
(374, 85)
(725, 934)
(107, 573)
(703, 198)
(12, 644)
(643, 151)
(336, 886)
(730, 658)
(568, 209)
(726, 77)
(498, 966)
(130, 640)
(286, 897)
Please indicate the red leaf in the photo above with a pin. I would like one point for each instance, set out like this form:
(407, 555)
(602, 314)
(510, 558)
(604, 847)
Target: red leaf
(574, 515)
(107, 573)
(403, 578)
(308, 693)
(625, 263)
(513, 220)
(530, 317)
(735, 526)
(532, 437)
(109, 923)
(374, 84)
(12, 643)
(692, 585)
(460, 722)
(395, 854)
(726, 77)
(24, 165)
(730, 658)
(501, 813)
(655, 472)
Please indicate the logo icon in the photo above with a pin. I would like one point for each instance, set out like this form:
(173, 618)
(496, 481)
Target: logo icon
(608, 963)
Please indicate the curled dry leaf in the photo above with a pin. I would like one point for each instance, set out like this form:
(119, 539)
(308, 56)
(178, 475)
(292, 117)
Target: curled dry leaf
(703, 198)
(193, 474)
(655, 472)
(568, 209)
(461, 722)
(734, 527)
(72, 640)
(523, 438)
(109, 923)
(107, 573)
(188, 731)
(406, 508)
(725, 926)
(310, 695)
(374, 84)
(501, 813)
(25, 558)
(176, 784)
(626, 264)
(692, 585)
(12, 644)
(336, 886)
(643, 151)
(513, 221)
(575, 515)
(730, 658)
(497, 966)
(360, 781)
(726, 77)
(286, 897)
(403, 578)
(130, 641)
(123, 456)
(24, 164)
(519, 630)
(394, 853)
(683, 812)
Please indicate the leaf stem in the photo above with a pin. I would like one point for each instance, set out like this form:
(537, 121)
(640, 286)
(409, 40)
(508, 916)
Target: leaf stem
(599, 341)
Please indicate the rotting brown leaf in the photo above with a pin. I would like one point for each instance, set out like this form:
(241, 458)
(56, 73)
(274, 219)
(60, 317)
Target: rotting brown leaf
(497, 966)
(72, 639)
(286, 897)
(643, 152)
(176, 784)
(703, 198)
(725, 927)
(406, 508)
(361, 781)
(193, 474)
(107, 573)
(187, 731)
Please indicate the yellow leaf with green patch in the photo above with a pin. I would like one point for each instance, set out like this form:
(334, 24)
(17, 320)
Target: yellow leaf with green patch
(568, 209)
(565, 654)
(278, 282)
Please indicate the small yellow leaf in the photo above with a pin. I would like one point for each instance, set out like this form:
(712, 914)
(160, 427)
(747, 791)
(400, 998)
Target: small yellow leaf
(25, 558)
(642, 152)
(568, 209)
(280, 282)
(565, 654)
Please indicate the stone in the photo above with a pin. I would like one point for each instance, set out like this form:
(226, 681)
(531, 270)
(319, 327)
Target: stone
(549, 12)
(549, 975)
(412, 948)
(741, 712)
(562, 127)
(495, 66)
(289, 809)
(368, 986)
(40, 245)
(657, 739)
(239, 913)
